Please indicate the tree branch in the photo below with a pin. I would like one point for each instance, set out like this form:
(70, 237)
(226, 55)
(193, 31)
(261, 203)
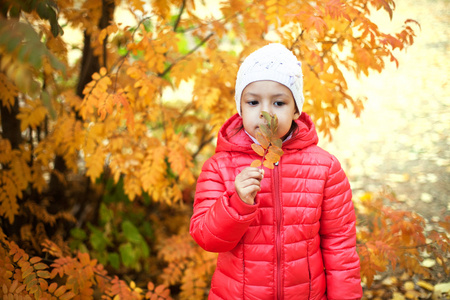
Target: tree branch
(177, 21)
(202, 42)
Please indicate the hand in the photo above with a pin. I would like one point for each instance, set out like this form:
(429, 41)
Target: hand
(248, 183)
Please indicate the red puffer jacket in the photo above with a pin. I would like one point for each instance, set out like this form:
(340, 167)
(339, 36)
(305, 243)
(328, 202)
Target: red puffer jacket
(297, 241)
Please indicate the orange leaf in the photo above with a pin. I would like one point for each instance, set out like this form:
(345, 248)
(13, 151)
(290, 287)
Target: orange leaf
(276, 149)
(66, 296)
(258, 149)
(268, 164)
(35, 259)
(272, 157)
(256, 163)
(27, 271)
(60, 291)
(261, 138)
(43, 274)
(40, 266)
(160, 289)
(52, 287)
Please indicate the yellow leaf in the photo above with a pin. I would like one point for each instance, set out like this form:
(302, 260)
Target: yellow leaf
(409, 285)
(103, 71)
(398, 296)
(138, 5)
(96, 76)
(94, 164)
(32, 115)
(8, 91)
(8, 196)
(425, 285)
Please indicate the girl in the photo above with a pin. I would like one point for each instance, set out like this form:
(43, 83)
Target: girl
(286, 233)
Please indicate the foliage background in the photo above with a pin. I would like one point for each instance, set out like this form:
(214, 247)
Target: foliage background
(101, 242)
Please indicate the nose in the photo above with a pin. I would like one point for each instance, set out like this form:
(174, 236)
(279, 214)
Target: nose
(266, 107)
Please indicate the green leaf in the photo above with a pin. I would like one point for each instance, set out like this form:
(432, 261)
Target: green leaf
(45, 98)
(131, 232)
(23, 53)
(266, 131)
(98, 239)
(12, 43)
(106, 215)
(57, 64)
(183, 45)
(277, 143)
(274, 124)
(127, 254)
(114, 260)
(147, 230)
(78, 233)
(145, 250)
(266, 116)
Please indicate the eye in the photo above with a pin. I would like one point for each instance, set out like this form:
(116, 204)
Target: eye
(279, 103)
(252, 102)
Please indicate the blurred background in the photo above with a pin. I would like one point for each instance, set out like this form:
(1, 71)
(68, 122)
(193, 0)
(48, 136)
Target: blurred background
(401, 141)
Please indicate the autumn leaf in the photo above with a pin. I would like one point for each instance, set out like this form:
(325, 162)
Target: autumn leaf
(269, 147)
(258, 149)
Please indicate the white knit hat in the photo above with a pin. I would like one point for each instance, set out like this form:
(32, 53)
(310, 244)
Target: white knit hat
(272, 62)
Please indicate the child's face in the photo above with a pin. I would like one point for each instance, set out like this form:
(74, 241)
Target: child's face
(272, 97)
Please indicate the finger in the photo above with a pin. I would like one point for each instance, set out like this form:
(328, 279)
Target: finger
(250, 191)
(247, 182)
(253, 172)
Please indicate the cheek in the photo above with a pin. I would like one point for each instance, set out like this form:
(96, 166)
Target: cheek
(284, 128)
(248, 124)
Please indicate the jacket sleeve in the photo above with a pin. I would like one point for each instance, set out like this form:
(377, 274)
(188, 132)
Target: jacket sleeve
(220, 217)
(338, 237)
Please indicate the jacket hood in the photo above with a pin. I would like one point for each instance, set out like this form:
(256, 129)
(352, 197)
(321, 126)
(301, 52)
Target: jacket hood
(232, 136)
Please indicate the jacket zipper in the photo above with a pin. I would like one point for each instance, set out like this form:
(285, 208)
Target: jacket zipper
(277, 200)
